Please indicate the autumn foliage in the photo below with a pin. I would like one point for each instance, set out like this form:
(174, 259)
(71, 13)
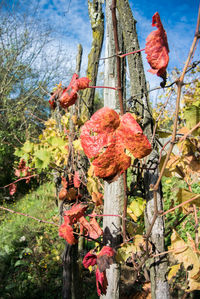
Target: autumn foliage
(103, 260)
(157, 48)
(106, 136)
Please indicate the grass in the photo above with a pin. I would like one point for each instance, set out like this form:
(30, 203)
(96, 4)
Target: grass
(30, 262)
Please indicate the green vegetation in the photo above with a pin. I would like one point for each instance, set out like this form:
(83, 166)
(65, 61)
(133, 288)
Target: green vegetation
(30, 251)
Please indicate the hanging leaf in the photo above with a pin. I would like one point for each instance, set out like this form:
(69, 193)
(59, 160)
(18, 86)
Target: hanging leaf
(132, 137)
(187, 254)
(77, 181)
(97, 198)
(91, 229)
(184, 195)
(62, 194)
(89, 259)
(12, 189)
(69, 95)
(66, 232)
(101, 282)
(157, 48)
(104, 139)
(105, 258)
(75, 213)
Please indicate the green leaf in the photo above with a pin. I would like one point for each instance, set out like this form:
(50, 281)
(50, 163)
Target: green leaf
(27, 147)
(56, 141)
(19, 263)
(43, 158)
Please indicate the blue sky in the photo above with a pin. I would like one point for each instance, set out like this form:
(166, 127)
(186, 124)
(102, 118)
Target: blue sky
(70, 25)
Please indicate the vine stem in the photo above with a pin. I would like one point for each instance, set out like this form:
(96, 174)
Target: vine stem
(179, 83)
(120, 95)
(27, 215)
(126, 54)
(109, 87)
(24, 178)
(180, 205)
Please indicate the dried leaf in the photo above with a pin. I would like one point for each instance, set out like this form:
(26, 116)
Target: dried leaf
(101, 282)
(89, 259)
(105, 258)
(97, 198)
(173, 271)
(12, 189)
(190, 257)
(77, 181)
(157, 48)
(62, 194)
(92, 228)
(75, 213)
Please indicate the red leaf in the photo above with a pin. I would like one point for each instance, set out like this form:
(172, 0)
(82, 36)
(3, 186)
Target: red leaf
(110, 164)
(76, 212)
(93, 229)
(105, 258)
(104, 137)
(66, 232)
(12, 189)
(132, 137)
(106, 250)
(89, 260)
(77, 181)
(101, 282)
(157, 48)
(69, 95)
(95, 132)
(62, 194)
(64, 182)
(83, 83)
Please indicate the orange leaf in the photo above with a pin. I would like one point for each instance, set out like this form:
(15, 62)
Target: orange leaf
(62, 194)
(12, 189)
(157, 48)
(76, 212)
(66, 232)
(77, 181)
(93, 229)
(105, 137)
(97, 198)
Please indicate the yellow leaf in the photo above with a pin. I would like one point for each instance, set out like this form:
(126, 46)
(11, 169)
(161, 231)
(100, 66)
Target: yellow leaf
(173, 271)
(77, 145)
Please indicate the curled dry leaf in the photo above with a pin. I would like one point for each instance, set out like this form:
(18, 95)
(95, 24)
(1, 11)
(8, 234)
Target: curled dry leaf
(62, 194)
(97, 198)
(91, 229)
(77, 181)
(104, 139)
(12, 189)
(101, 282)
(89, 259)
(75, 213)
(105, 258)
(157, 48)
(69, 95)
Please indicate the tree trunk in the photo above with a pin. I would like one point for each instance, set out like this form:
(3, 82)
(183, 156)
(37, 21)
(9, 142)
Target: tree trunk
(140, 105)
(97, 24)
(113, 192)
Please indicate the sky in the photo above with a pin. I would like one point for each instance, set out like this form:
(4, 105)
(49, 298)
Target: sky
(70, 25)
